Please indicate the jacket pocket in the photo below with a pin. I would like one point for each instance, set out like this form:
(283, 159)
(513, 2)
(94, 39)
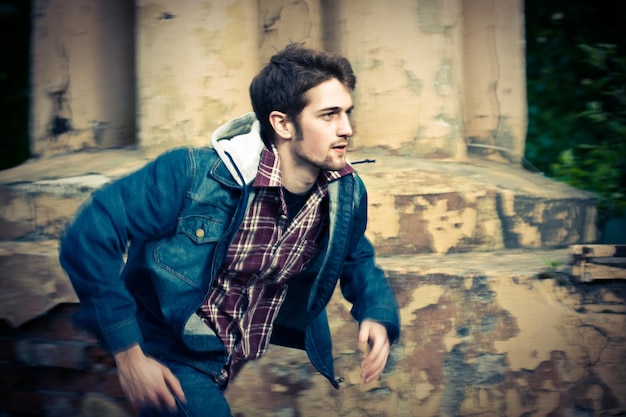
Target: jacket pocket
(201, 229)
(188, 255)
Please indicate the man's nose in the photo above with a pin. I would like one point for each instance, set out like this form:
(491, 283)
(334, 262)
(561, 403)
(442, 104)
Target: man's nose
(345, 127)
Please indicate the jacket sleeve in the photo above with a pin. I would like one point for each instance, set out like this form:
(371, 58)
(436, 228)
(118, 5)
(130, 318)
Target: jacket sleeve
(363, 283)
(138, 207)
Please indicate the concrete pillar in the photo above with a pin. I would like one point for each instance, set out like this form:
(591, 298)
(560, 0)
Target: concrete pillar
(494, 78)
(195, 62)
(83, 75)
(408, 58)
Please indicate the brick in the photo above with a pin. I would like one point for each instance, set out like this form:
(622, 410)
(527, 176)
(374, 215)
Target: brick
(68, 381)
(62, 328)
(60, 405)
(34, 329)
(7, 351)
(18, 378)
(97, 405)
(41, 286)
(100, 359)
(69, 355)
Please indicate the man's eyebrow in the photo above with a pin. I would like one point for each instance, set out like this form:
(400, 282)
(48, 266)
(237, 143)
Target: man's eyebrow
(335, 109)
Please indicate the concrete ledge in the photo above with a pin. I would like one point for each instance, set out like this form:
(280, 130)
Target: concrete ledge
(37, 197)
(505, 322)
(481, 332)
(32, 281)
(416, 206)
(426, 206)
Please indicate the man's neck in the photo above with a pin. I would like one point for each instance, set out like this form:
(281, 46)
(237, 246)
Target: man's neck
(296, 179)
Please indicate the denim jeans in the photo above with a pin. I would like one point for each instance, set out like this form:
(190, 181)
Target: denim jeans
(204, 397)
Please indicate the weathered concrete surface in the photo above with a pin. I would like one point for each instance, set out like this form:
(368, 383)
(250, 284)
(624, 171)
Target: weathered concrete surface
(425, 206)
(83, 75)
(195, 60)
(482, 335)
(409, 58)
(106, 73)
(416, 205)
(282, 22)
(36, 198)
(31, 281)
(495, 99)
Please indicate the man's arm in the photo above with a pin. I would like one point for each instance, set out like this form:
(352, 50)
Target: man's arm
(374, 303)
(141, 206)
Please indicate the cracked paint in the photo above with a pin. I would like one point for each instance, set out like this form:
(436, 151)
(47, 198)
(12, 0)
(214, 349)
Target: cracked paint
(471, 344)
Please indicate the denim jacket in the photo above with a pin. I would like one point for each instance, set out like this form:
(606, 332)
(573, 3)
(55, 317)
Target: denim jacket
(142, 251)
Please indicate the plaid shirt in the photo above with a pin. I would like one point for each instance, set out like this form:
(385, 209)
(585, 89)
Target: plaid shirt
(267, 250)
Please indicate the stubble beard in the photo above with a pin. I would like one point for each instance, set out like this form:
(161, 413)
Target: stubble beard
(330, 163)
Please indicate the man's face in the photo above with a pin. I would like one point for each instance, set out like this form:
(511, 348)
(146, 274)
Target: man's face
(323, 127)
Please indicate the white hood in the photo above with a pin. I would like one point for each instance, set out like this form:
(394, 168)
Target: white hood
(238, 143)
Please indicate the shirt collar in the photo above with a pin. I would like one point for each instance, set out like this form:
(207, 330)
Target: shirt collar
(269, 170)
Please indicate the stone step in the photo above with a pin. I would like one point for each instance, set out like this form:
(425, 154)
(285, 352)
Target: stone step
(36, 198)
(425, 206)
(33, 281)
(416, 206)
(471, 321)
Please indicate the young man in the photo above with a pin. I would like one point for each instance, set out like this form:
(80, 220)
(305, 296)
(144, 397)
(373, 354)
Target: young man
(231, 247)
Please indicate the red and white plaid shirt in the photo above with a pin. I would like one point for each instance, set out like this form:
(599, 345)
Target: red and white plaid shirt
(266, 251)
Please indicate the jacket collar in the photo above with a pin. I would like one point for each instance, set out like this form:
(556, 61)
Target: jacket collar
(238, 144)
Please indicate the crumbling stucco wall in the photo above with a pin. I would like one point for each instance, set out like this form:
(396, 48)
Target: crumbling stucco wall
(83, 75)
(193, 58)
(434, 76)
(499, 342)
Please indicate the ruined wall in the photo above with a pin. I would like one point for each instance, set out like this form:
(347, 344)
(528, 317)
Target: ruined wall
(482, 335)
(494, 79)
(433, 75)
(193, 60)
(83, 75)
(494, 334)
(491, 325)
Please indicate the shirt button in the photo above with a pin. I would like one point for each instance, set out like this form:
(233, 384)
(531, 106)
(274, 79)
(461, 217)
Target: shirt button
(199, 233)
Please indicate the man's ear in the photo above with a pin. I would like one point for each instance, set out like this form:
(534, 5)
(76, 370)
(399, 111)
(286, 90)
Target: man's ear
(283, 128)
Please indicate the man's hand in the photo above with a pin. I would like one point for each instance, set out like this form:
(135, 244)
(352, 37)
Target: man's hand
(146, 382)
(375, 335)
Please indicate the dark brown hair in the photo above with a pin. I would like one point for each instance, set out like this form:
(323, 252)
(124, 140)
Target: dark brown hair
(282, 84)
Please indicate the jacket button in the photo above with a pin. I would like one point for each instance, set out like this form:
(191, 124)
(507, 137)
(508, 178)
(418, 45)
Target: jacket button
(200, 233)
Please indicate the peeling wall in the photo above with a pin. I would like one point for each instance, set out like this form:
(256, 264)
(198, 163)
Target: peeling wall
(494, 78)
(83, 76)
(496, 343)
(409, 62)
(281, 22)
(434, 76)
(193, 58)
(452, 207)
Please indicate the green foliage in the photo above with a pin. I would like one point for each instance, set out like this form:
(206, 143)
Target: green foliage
(576, 80)
(555, 270)
(601, 166)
